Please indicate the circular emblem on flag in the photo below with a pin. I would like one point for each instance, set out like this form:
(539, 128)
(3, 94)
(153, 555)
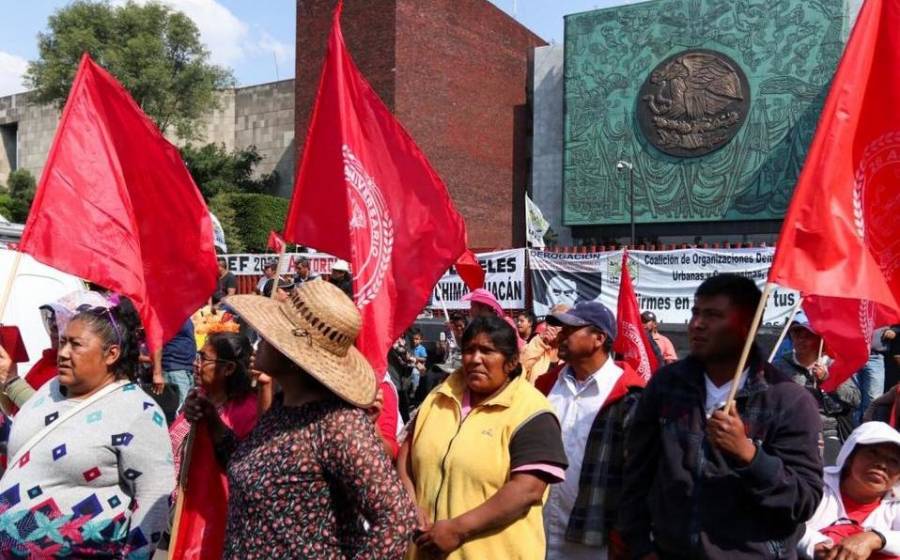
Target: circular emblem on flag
(371, 227)
(875, 201)
(693, 103)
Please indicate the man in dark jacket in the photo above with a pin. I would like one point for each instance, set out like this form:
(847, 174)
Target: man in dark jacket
(700, 483)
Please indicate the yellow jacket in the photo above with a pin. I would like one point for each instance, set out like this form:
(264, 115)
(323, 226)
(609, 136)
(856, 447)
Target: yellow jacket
(457, 465)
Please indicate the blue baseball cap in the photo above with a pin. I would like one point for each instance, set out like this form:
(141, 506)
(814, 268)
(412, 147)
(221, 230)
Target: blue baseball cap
(589, 313)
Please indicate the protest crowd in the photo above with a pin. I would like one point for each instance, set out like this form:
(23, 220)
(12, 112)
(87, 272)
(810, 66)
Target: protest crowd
(172, 416)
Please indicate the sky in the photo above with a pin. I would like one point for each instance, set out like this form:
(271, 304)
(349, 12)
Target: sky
(255, 38)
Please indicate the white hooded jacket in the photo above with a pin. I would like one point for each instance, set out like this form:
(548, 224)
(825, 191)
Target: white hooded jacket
(885, 518)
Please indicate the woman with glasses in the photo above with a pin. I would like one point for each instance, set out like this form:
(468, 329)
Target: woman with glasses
(90, 470)
(222, 375)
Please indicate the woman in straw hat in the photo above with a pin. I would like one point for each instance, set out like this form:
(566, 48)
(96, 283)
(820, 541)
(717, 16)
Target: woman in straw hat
(313, 469)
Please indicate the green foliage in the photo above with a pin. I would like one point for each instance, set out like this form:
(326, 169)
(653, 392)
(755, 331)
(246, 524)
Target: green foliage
(20, 189)
(247, 218)
(217, 171)
(153, 51)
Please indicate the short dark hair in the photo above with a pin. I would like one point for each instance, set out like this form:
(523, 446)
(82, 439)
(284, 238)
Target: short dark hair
(223, 262)
(740, 290)
(530, 316)
(269, 266)
(234, 348)
(415, 331)
(504, 337)
(301, 261)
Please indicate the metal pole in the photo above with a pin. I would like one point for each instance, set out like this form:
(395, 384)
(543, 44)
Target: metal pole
(631, 180)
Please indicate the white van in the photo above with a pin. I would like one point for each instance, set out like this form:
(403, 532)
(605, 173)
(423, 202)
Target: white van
(35, 284)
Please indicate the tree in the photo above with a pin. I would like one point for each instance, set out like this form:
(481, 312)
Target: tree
(16, 202)
(247, 218)
(155, 52)
(217, 171)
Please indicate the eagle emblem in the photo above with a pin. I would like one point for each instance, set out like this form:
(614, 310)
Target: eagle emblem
(693, 103)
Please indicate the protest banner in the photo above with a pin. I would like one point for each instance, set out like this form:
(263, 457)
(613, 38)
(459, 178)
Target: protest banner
(252, 264)
(504, 277)
(664, 281)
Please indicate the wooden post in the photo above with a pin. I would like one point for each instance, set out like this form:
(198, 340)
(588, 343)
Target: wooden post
(10, 280)
(787, 327)
(757, 318)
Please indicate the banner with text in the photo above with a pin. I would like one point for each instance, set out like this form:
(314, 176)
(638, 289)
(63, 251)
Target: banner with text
(504, 277)
(665, 281)
(251, 264)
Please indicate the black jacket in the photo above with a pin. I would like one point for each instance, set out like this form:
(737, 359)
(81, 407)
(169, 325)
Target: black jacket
(692, 499)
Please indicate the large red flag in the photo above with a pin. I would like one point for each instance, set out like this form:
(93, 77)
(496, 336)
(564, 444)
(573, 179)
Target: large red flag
(840, 242)
(117, 206)
(632, 341)
(366, 193)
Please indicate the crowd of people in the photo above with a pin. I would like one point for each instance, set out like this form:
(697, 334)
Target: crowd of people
(502, 438)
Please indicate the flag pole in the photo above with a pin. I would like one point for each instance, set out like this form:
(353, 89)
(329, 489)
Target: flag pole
(182, 484)
(787, 326)
(10, 279)
(748, 344)
(277, 278)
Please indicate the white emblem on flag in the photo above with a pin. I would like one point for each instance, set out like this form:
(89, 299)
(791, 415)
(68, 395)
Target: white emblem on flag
(373, 230)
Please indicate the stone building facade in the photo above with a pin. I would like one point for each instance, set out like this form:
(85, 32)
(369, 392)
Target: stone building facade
(455, 73)
(259, 115)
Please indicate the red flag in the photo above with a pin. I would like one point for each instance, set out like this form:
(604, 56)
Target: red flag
(201, 529)
(632, 341)
(365, 193)
(276, 243)
(469, 269)
(840, 242)
(117, 206)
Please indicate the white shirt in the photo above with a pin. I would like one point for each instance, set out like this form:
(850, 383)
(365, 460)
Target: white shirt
(716, 396)
(576, 404)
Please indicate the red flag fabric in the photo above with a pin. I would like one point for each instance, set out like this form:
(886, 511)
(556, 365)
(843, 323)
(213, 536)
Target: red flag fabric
(366, 194)
(632, 341)
(469, 269)
(840, 241)
(276, 243)
(201, 529)
(117, 206)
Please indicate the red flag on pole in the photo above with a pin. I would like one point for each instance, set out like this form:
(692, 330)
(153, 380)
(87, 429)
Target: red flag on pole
(276, 243)
(469, 269)
(366, 194)
(117, 206)
(840, 242)
(632, 341)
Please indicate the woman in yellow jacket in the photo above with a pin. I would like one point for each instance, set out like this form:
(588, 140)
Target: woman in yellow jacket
(483, 448)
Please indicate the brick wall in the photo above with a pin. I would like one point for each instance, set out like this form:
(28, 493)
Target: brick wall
(455, 72)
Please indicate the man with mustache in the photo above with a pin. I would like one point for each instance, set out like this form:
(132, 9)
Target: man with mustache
(703, 483)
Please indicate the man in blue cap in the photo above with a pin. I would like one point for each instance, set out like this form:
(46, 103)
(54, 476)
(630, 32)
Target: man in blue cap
(593, 398)
(807, 364)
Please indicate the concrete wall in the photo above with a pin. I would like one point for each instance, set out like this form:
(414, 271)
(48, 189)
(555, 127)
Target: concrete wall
(547, 144)
(36, 125)
(260, 115)
(264, 117)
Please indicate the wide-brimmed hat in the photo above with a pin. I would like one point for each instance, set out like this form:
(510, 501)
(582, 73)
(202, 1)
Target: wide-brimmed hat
(340, 265)
(315, 328)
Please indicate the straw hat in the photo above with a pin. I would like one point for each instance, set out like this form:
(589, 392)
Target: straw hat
(315, 328)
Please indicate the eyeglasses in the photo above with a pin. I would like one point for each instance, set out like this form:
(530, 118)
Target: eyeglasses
(201, 357)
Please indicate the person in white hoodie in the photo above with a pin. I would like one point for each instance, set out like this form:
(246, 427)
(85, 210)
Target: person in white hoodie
(859, 515)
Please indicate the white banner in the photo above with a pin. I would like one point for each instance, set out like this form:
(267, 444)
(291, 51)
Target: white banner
(251, 264)
(504, 277)
(665, 281)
